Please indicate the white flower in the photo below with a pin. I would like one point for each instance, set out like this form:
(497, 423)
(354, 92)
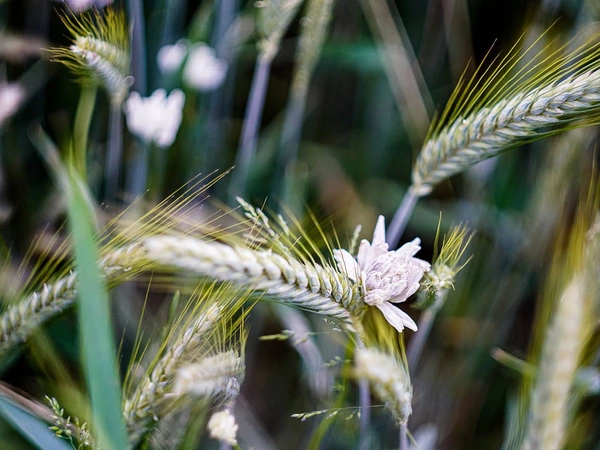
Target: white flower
(203, 70)
(386, 276)
(11, 97)
(156, 118)
(222, 427)
(170, 57)
(81, 5)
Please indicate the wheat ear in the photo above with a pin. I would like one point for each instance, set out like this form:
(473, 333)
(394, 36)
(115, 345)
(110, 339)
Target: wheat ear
(389, 379)
(220, 374)
(510, 122)
(560, 358)
(21, 319)
(310, 286)
(99, 54)
(141, 409)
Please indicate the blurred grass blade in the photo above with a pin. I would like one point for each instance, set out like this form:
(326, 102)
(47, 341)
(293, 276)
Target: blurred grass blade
(30, 427)
(274, 17)
(98, 349)
(314, 32)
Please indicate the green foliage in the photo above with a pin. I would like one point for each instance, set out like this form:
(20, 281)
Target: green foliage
(98, 349)
(30, 427)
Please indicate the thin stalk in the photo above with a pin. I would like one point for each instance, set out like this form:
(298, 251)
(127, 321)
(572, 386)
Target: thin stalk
(138, 48)
(81, 128)
(254, 111)
(114, 152)
(364, 398)
(175, 10)
(417, 343)
(157, 170)
(290, 140)
(319, 434)
(403, 439)
(405, 77)
(220, 100)
(138, 171)
(401, 217)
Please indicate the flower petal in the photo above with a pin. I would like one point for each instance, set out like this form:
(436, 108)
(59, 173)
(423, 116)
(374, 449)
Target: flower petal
(412, 247)
(347, 264)
(379, 233)
(363, 251)
(396, 317)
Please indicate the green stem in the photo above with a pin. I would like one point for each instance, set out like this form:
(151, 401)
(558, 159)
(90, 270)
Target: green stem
(403, 444)
(417, 343)
(81, 129)
(317, 437)
(157, 171)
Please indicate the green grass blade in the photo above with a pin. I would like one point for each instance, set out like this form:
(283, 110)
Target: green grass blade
(98, 348)
(30, 427)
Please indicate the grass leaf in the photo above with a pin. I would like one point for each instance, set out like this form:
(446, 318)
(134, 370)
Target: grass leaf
(98, 349)
(30, 427)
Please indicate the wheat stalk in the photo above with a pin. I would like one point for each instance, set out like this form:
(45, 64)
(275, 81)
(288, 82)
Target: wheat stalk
(508, 123)
(560, 358)
(21, 319)
(310, 286)
(141, 409)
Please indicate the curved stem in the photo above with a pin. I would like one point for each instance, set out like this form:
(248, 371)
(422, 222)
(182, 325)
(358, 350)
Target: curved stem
(112, 167)
(254, 111)
(417, 343)
(138, 47)
(403, 213)
(81, 128)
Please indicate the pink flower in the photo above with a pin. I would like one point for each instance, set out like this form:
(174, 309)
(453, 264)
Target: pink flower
(385, 276)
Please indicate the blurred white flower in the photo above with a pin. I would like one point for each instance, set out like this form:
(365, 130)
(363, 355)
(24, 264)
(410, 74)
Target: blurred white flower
(155, 119)
(81, 5)
(386, 276)
(222, 427)
(11, 97)
(203, 70)
(170, 57)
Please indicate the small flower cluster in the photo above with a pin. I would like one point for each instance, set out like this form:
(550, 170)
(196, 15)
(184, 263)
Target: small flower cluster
(68, 429)
(203, 71)
(156, 119)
